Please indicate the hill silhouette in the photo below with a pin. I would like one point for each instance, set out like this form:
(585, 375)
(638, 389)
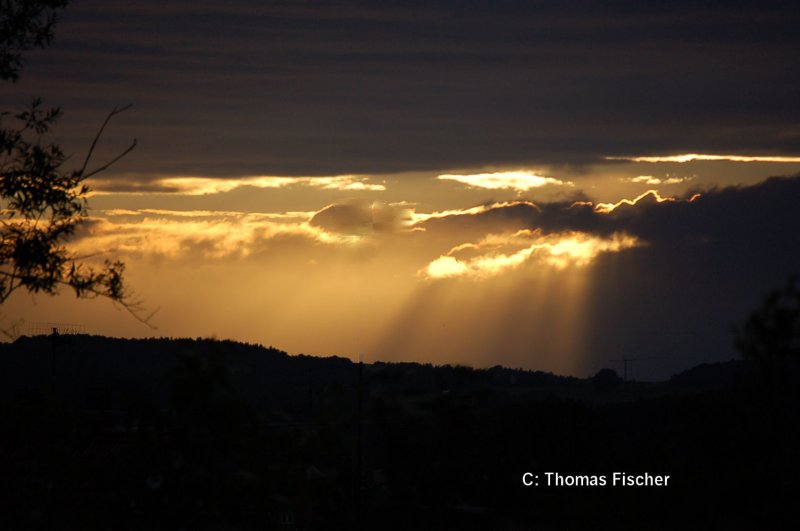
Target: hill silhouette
(99, 433)
(83, 368)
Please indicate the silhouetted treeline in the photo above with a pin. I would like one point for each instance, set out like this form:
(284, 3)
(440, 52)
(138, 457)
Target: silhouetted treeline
(100, 433)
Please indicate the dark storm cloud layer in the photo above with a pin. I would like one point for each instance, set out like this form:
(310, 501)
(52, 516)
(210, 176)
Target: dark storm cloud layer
(709, 265)
(704, 266)
(303, 88)
(763, 215)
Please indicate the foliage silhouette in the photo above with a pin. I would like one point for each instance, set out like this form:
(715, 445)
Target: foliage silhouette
(606, 380)
(773, 331)
(41, 203)
(24, 25)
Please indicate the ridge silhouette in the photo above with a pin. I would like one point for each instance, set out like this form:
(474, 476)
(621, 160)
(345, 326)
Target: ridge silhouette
(207, 434)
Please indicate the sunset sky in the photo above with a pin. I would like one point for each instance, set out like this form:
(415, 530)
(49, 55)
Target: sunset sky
(520, 183)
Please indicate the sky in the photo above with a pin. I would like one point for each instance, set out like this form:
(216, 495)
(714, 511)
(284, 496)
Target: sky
(531, 184)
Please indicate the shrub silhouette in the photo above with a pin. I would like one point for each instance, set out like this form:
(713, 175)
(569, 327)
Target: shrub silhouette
(606, 380)
(773, 331)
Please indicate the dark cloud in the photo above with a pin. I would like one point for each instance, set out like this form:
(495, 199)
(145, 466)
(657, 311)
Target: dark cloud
(362, 218)
(132, 185)
(352, 218)
(704, 266)
(302, 88)
(766, 210)
(707, 267)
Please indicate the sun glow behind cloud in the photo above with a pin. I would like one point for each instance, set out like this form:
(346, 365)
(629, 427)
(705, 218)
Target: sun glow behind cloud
(521, 181)
(559, 250)
(691, 157)
(207, 235)
(209, 185)
(512, 280)
(652, 180)
(605, 208)
(419, 217)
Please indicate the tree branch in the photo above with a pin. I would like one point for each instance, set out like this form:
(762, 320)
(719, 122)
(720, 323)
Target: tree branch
(133, 307)
(113, 113)
(115, 159)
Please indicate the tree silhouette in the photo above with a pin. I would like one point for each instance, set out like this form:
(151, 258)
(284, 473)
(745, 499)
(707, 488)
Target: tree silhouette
(606, 380)
(771, 337)
(24, 25)
(773, 331)
(41, 203)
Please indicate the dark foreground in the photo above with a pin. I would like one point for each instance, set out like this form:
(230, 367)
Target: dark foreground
(99, 433)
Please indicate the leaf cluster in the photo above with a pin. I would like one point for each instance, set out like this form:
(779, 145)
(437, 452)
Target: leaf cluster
(772, 332)
(24, 25)
(42, 206)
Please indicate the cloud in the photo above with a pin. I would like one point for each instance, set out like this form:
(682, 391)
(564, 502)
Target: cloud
(421, 217)
(286, 217)
(651, 180)
(691, 157)
(762, 215)
(521, 181)
(352, 219)
(193, 235)
(559, 250)
(509, 283)
(361, 218)
(217, 235)
(315, 89)
(480, 242)
(648, 196)
(696, 268)
(207, 185)
(601, 219)
(130, 185)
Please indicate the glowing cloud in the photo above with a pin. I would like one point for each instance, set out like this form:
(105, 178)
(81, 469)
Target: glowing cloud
(359, 218)
(605, 208)
(521, 181)
(651, 180)
(690, 157)
(556, 250)
(215, 235)
(419, 217)
(208, 185)
(196, 214)
(446, 266)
